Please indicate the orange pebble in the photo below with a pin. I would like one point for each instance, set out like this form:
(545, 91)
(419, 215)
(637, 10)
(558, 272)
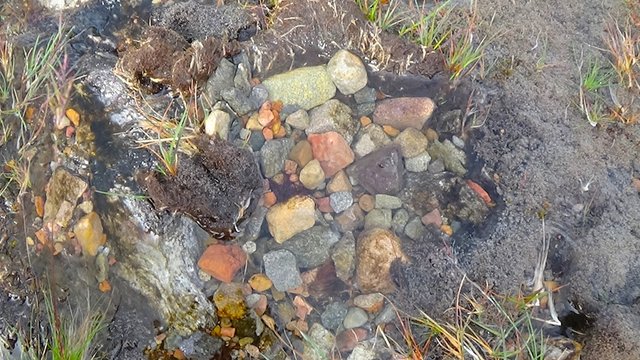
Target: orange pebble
(38, 201)
(269, 199)
(365, 120)
(390, 130)
(227, 332)
(104, 286)
(446, 229)
(267, 133)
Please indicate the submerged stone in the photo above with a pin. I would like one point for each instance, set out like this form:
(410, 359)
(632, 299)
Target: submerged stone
(333, 116)
(311, 247)
(280, 266)
(404, 112)
(305, 87)
(377, 250)
(347, 72)
(332, 150)
(381, 172)
(290, 218)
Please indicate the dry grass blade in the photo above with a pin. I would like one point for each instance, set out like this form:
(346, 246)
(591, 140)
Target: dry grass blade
(623, 43)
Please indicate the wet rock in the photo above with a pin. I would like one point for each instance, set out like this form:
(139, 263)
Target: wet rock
(280, 266)
(312, 175)
(305, 87)
(333, 315)
(372, 303)
(343, 256)
(218, 123)
(273, 154)
(381, 172)
(209, 185)
(399, 221)
(333, 116)
(350, 219)
(459, 143)
(436, 166)
(369, 139)
(387, 202)
(347, 72)
(412, 142)
(347, 340)
(63, 192)
(341, 201)
(365, 109)
(89, 232)
(363, 352)
(424, 191)
(242, 79)
(388, 315)
(299, 120)
(332, 151)
(355, 317)
(200, 346)
(432, 218)
(320, 345)
(377, 249)
(222, 261)
(279, 217)
(415, 229)
(365, 95)
(239, 102)
(469, 206)
(418, 163)
(453, 158)
(339, 182)
(404, 112)
(311, 247)
(222, 79)
(301, 153)
(378, 218)
(229, 300)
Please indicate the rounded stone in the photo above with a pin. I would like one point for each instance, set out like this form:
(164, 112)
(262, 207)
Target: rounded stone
(280, 216)
(355, 317)
(341, 201)
(347, 72)
(377, 249)
(281, 268)
(312, 175)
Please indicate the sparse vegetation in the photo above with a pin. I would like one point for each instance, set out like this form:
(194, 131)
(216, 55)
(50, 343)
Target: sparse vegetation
(444, 27)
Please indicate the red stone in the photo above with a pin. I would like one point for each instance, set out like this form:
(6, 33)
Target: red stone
(222, 261)
(404, 112)
(332, 151)
(433, 217)
(348, 339)
(324, 205)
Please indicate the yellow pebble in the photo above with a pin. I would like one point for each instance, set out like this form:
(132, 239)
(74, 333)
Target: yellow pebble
(73, 116)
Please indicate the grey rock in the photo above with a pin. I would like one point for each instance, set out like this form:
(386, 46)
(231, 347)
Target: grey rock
(436, 166)
(384, 201)
(378, 218)
(239, 102)
(399, 221)
(365, 109)
(415, 229)
(242, 79)
(369, 139)
(333, 315)
(364, 145)
(343, 255)
(355, 317)
(201, 346)
(333, 116)
(311, 247)
(365, 95)
(425, 192)
(347, 72)
(418, 163)
(305, 87)
(453, 158)
(280, 266)
(381, 172)
(459, 143)
(256, 141)
(222, 79)
(387, 315)
(298, 119)
(273, 155)
(341, 201)
(259, 95)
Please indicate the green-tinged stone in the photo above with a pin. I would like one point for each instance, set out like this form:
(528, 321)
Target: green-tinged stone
(306, 87)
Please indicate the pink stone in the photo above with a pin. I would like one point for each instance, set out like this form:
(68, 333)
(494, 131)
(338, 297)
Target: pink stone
(332, 151)
(404, 112)
(222, 261)
(348, 339)
(433, 217)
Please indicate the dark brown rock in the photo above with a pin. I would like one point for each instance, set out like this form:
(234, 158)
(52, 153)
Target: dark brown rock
(381, 172)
